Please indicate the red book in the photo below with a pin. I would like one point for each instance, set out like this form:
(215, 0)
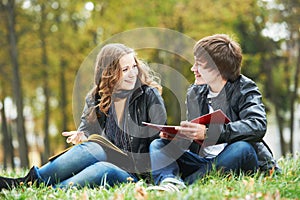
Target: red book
(216, 117)
(162, 128)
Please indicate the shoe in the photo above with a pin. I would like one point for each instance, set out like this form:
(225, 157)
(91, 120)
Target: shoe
(9, 183)
(169, 185)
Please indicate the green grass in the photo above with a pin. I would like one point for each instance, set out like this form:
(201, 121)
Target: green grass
(214, 186)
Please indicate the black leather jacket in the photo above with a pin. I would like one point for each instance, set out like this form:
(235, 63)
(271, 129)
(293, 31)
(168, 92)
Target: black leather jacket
(241, 101)
(146, 104)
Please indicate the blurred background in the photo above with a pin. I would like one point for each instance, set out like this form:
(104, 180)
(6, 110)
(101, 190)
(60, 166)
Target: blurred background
(43, 44)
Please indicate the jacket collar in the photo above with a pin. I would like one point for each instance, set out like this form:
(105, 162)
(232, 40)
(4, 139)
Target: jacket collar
(138, 92)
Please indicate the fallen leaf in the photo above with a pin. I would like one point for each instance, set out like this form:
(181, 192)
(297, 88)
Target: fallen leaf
(118, 196)
(140, 192)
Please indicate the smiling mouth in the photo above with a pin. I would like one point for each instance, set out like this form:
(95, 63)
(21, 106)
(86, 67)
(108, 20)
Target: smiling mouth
(130, 82)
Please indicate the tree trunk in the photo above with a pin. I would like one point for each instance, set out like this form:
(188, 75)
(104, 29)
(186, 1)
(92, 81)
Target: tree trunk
(8, 153)
(17, 91)
(63, 96)
(280, 123)
(280, 120)
(46, 90)
(294, 97)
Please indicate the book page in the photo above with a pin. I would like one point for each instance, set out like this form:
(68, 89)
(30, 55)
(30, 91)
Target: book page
(162, 128)
(216, 117)
(105, 142)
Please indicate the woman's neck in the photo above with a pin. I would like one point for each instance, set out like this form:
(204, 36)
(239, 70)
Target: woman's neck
(119, 108)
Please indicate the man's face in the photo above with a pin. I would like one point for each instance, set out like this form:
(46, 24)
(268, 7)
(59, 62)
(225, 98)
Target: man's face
(206, 70)
(198, 78)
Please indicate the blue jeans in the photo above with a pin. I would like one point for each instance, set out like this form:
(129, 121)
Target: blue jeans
(168, 160)
(84, 164)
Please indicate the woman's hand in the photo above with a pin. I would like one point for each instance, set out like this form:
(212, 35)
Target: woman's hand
(193, 131)
(166, 136)
(74, 137)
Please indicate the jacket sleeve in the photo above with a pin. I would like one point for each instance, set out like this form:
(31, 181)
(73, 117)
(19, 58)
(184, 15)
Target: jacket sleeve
(89, 126)
(156, 111)
(249, 123)
(195, 107)
(194, 103)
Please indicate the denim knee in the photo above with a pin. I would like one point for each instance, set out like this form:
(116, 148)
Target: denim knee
(250, 161)
(96, 150)
(243, 147)
(238, 156)
(112, 174)
(157, 144)
(245, 150)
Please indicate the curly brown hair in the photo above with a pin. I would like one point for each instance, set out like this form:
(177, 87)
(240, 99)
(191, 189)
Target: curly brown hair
(108, 73)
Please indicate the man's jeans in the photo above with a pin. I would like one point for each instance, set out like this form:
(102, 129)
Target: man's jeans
(84, 164)
(168, 160)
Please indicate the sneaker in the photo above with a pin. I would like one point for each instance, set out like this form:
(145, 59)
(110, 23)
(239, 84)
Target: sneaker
(169, 185)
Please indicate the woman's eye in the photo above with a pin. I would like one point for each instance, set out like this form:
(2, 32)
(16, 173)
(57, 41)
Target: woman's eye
(124, 69)
(135, 66)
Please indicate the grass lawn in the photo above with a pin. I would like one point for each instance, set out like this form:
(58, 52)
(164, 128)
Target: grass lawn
(214, 186)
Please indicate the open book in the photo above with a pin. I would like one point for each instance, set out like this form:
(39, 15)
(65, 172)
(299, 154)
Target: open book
(104, 142)
(216, 117)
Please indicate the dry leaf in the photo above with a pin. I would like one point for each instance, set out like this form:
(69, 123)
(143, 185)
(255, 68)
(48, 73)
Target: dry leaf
(84, 196)
(118, 196)
(271, 171)
(249, 184)
(140, 192)
(130, 179)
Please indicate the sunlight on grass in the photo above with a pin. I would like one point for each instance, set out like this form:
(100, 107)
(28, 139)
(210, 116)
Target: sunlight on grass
(213, 186)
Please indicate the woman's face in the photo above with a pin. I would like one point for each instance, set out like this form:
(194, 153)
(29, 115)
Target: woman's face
(129, 71)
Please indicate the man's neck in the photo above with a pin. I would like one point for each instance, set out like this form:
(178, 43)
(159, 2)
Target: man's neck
(217, 86)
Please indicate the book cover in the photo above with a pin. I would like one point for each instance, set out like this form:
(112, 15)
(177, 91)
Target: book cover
(169, 130)
(216, 117)
(105, 143)
(51, 158)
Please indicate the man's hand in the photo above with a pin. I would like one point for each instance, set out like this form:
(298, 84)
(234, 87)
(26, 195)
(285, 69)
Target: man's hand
(193, 131)
(74, 137)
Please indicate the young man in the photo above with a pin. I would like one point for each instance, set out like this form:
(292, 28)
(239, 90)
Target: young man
(236, 146)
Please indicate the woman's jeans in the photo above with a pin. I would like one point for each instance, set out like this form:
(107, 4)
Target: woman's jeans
(84, 164)
(168, 160)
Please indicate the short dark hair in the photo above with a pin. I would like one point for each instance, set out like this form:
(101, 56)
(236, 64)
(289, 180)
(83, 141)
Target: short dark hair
(224, 52)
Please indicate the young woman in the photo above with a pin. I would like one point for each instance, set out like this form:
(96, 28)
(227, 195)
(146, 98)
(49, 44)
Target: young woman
(125, 94)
